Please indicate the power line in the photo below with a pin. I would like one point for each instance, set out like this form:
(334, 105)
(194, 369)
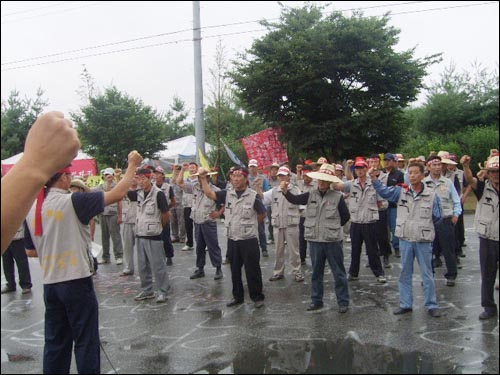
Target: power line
(190, 39)
(178, 32)
(35, 9)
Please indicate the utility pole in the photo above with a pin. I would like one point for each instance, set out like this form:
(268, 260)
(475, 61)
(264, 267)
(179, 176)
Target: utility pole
(198, 83)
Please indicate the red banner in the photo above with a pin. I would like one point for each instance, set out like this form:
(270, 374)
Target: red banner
(78, 167)
(266, 147)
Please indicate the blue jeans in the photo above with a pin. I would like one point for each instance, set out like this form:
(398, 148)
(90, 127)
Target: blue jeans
(206, 238)
(320, 253)
(423, 252)
(391, 218)
(71, 314)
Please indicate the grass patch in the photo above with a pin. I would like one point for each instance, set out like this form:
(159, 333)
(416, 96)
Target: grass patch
(470, 203)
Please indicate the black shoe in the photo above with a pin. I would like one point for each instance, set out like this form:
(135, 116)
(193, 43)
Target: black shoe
(265, 254)
(8, 289)
(259, 304)
(234, 302)
(343, 309)
(401, 310)
(169, 261)
(459, 265)
(218, 274)
(314, 306)
(434, 313)
(487, 315)
(197, 274)
(450, 282)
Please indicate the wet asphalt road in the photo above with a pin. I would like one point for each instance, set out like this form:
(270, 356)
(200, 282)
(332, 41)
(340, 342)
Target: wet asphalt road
(194, 332)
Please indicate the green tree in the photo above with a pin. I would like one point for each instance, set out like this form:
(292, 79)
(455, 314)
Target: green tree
(18, 114)
(176, 124)
(335, 84)
(113, 124)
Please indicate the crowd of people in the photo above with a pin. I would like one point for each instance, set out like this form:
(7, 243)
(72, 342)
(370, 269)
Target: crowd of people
(406, 209)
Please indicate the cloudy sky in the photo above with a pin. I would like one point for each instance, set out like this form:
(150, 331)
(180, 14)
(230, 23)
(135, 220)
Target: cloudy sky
(145, 48)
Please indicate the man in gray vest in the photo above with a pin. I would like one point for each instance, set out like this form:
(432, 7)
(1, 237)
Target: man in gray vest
(285, 219)
(362, 203)
(326, 212)
(152, 217)
(487, 227)
(243, 211)
(419, 208)
(204, 214)
(445, 228)
(111, 218)
(169, 193)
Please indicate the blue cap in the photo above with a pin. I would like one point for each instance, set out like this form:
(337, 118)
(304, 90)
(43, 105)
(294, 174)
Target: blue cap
(390, 156)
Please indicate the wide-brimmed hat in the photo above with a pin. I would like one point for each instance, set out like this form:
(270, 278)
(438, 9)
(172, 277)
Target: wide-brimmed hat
(322, 160)
(274, 165)
(400, 157)
(448, 161)
(491, 164)
(79, 183)
(326, 173)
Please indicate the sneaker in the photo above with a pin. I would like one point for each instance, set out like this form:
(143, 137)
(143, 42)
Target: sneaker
(197, 274)
(270, 242)
(119, 261)
(161, 298)
(343, 309)
(352, 278)
(103, 261)
(218, 274)
(169, 261)
(381, 279)
(265, 254)
(450, 282)
(26, 291)
(234, 302)
(386, 262)
(7, 289)
(299, 277)
(314, 306)
(144, 295)
(434, 313)
(258, 304)
(187, 248)
(437, 262)
(276, 277)
(126, 273)
(487, 315)
(348, 240)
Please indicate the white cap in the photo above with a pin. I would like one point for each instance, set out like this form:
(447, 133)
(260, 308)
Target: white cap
(253, 163)
(284, 171)
(110, 171)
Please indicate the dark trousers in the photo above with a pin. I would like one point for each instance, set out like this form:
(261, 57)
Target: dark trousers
(270, 224)
(461, 229)
(382, 234)
(445, 242)
(364, 233)
(188, 223)
(15, 252)
(262, 236)
(488, 259)
(246, 253)
(167, 241)
(71, 314)
(206, 237)
(302, 240)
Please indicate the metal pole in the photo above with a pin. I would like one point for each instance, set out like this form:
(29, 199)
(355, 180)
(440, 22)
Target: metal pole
(198, 83)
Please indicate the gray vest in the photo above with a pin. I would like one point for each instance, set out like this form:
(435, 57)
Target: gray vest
(284, 214)
(148, 213)
(202, 205)
(112, 209)
(274, 183)
(458, 173)
(241, 218)
(363, 203)
(443, 189)
(486, 219)
(414, 216)
(129, 211)
(322, 223)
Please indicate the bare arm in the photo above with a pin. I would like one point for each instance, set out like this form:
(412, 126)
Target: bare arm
(348, 173)
(51, 144)
(207, 190)
(121, 189)
(469, 178)
(165, 218)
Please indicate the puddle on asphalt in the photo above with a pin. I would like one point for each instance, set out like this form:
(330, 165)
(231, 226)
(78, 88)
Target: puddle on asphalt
(345, 356)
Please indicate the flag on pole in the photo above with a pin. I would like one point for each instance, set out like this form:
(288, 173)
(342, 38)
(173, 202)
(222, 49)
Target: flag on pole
(232, 155)
(203, 160)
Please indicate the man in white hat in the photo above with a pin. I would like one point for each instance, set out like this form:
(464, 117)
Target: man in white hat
(487, 227)
(445, 228)
(285, 219)
(326, 212)
(110, 221)
(255, 178)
